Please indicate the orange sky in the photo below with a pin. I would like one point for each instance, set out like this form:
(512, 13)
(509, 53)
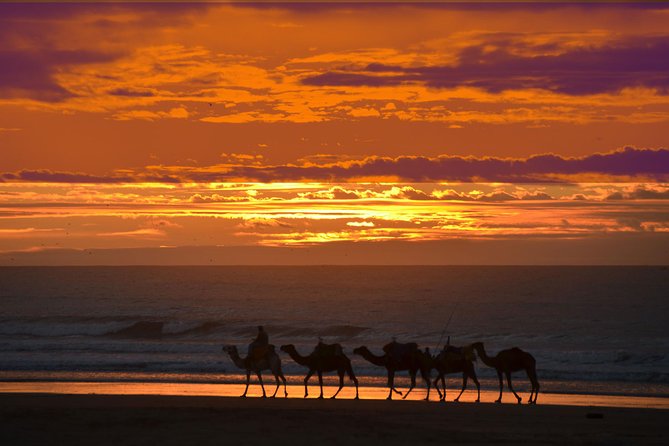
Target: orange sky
(288, 126)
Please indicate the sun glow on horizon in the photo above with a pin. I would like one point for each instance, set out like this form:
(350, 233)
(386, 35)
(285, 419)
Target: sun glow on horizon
(79, 216)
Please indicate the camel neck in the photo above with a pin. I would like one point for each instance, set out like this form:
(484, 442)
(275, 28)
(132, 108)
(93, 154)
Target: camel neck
(239, 362)
(297, 357)
(484, 356)
(371, 357)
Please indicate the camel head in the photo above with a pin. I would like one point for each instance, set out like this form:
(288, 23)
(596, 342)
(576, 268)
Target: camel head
(360, 350)
(229, 349)
(287, 348)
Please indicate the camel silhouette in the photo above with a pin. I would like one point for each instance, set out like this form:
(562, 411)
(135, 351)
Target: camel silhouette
(324, 358)
(399, 357)
(507, 361)
(270, 361)
(454, 360)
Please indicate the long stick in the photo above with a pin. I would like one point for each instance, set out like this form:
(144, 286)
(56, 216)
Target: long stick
(448, 322)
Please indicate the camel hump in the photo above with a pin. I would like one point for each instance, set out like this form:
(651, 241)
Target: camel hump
(400, 351)
(453, 350)
(468, 353)
(328, 349)
(261, 352)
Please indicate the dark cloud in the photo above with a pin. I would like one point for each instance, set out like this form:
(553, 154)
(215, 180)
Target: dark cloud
(131, 92)
(30, 73)
(28, 59)
(308, 6)
(63, 177)
(640, 193)
(48, 11)
(49, 176)
(637, 62)
(653, 164)
(650, 165)
(537, 196)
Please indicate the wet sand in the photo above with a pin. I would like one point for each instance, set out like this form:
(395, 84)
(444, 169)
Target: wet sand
(46, 419)
(297, 391)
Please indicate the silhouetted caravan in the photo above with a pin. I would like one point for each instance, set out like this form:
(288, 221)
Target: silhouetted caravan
(507, 361)
(324, 358)
(399, 357)
(454, 360)
(269, 361)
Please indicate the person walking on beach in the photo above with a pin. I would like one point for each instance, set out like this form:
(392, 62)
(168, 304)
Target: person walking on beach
(258, 348)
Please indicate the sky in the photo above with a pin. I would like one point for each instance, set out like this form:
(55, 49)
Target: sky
(344, 133)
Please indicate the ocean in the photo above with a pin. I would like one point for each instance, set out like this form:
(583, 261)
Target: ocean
(591, 329)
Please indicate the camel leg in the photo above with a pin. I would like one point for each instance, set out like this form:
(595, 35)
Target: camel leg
(436, 386)
(443, 385)
(501, 385)
(262, 385)
(320, 383)
(285, 390)
(341, 383)
(428, 383)
(464, 386)
(508, 380)
(276, 389)
(478, 387)
(306, 380)
(413, 384)
(391, 384)
(532, 374)
(351, 375)
(248, 380)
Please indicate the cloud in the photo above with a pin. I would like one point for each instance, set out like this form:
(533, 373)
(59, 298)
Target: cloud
(333, 193)
(132, 92)
(138, 233)
(29, 232)
(217, 198)
(262, 223)
(360, 224)
(147, 115)
(625, 165)
(49, 176)
(641, 193)
(31, 73)
(501, 65)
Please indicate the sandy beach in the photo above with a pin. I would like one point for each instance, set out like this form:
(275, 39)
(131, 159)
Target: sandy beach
(42, 419)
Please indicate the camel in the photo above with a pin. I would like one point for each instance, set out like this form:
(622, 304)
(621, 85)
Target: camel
(455, 360)
(324, 358)
(270, 361)
(507, 361)
(398, 357)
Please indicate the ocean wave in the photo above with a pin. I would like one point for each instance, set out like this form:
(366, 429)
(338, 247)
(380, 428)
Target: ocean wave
(143, 328)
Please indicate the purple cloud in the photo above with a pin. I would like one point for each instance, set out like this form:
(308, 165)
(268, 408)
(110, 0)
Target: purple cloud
(638, 62)
(30, 73)
(131, 92)
(651, 165)
(49, 176)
